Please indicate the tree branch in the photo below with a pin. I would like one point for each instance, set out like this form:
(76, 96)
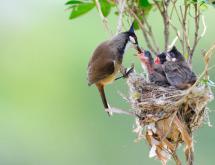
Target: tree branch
(121, 10)
(164, 13)
(196, 34)
(104, 19)
(177, 33)
(150, 33)
(145, 33)
(186, 41)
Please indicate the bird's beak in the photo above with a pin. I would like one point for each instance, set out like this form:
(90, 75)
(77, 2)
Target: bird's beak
(142, 57)
(139, 50)
(157, 60)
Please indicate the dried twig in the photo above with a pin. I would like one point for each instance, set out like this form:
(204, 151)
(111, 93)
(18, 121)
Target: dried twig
(163, 8)
(121, 8)
(184, 26)
(104, 19)
(177, 33)
(151, 34)
(207, 58)
(196, 38)
(145, 33)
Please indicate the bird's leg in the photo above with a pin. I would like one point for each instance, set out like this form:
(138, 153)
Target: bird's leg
(125, 71)
(108, 109)
(129, 70)
(104, 100)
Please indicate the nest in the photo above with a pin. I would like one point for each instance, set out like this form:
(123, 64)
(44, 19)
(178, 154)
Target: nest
(167, 116)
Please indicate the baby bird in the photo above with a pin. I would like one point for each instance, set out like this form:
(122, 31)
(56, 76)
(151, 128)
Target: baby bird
(177, 71)
(155, 71)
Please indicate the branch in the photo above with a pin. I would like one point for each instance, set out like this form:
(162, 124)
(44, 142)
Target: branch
(166, 23)
(150, 33)
(104, 19)
(177, 33)
(121, 10)
(145, 33)
(164, 13)
(184, 27)
(173, 42)
(176, 10)
(197, 36)
(207, 57)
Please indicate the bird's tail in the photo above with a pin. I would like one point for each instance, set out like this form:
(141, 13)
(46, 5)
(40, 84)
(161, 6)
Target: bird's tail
(102, 94)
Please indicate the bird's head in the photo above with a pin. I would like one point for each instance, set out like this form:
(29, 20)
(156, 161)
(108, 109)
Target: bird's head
(124, 40)
(160, 58)
(132, 38)
(148, 57)
(174, 55)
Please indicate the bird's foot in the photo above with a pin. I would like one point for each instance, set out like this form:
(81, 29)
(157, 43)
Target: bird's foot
(128, 71)
(125, 72)
(109, 111)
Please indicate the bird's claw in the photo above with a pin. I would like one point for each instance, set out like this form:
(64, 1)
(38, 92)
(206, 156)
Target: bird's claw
(109, 112)
(128, 71)
(125, 72)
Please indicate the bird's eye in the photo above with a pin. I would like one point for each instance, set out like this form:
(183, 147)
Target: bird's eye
(132, 40)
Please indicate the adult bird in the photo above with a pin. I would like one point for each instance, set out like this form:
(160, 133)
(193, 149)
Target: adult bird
(106, 62)
(155, 71)
(177, 71)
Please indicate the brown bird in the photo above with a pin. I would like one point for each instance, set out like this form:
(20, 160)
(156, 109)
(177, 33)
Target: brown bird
(155, 71)
(176, 69)
(106, 62)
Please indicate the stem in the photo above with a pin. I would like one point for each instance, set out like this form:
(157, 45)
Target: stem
(184, 26)
(121, 10)
(104, 19)
(150, 33)
(164, 13)
(196, 34)
(145, 33)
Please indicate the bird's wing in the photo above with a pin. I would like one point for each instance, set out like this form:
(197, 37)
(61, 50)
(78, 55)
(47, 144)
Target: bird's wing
(101, 63)
(158, 79)
(179, 74)
(175, 74)
(100, 72)
(191, 76)
(158, 68)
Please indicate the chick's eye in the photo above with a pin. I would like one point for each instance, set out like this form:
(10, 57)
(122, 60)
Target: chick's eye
(132, 39)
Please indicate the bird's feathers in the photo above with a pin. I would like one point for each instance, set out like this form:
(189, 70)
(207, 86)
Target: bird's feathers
(179, 74)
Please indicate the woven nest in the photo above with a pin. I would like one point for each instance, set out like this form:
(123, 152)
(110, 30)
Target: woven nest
(168, 116)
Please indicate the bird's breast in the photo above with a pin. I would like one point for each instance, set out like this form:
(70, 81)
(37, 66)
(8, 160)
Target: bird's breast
(109, 79)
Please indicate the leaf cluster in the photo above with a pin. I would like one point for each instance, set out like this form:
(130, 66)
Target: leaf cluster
(142, 7)
(81, 7)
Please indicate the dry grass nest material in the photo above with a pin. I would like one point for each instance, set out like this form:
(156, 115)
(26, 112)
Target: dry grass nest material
(168, 116)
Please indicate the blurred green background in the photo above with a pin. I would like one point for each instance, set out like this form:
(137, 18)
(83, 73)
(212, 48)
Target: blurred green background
(48, 114)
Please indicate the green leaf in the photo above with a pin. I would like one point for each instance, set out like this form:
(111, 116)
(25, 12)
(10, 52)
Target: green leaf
(144, 3)
(136, 25)
(105, 7)
(71, 2)
(81, 9)
(145, 6)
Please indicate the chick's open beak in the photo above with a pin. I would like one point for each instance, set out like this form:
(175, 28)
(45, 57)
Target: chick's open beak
(157, 60)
